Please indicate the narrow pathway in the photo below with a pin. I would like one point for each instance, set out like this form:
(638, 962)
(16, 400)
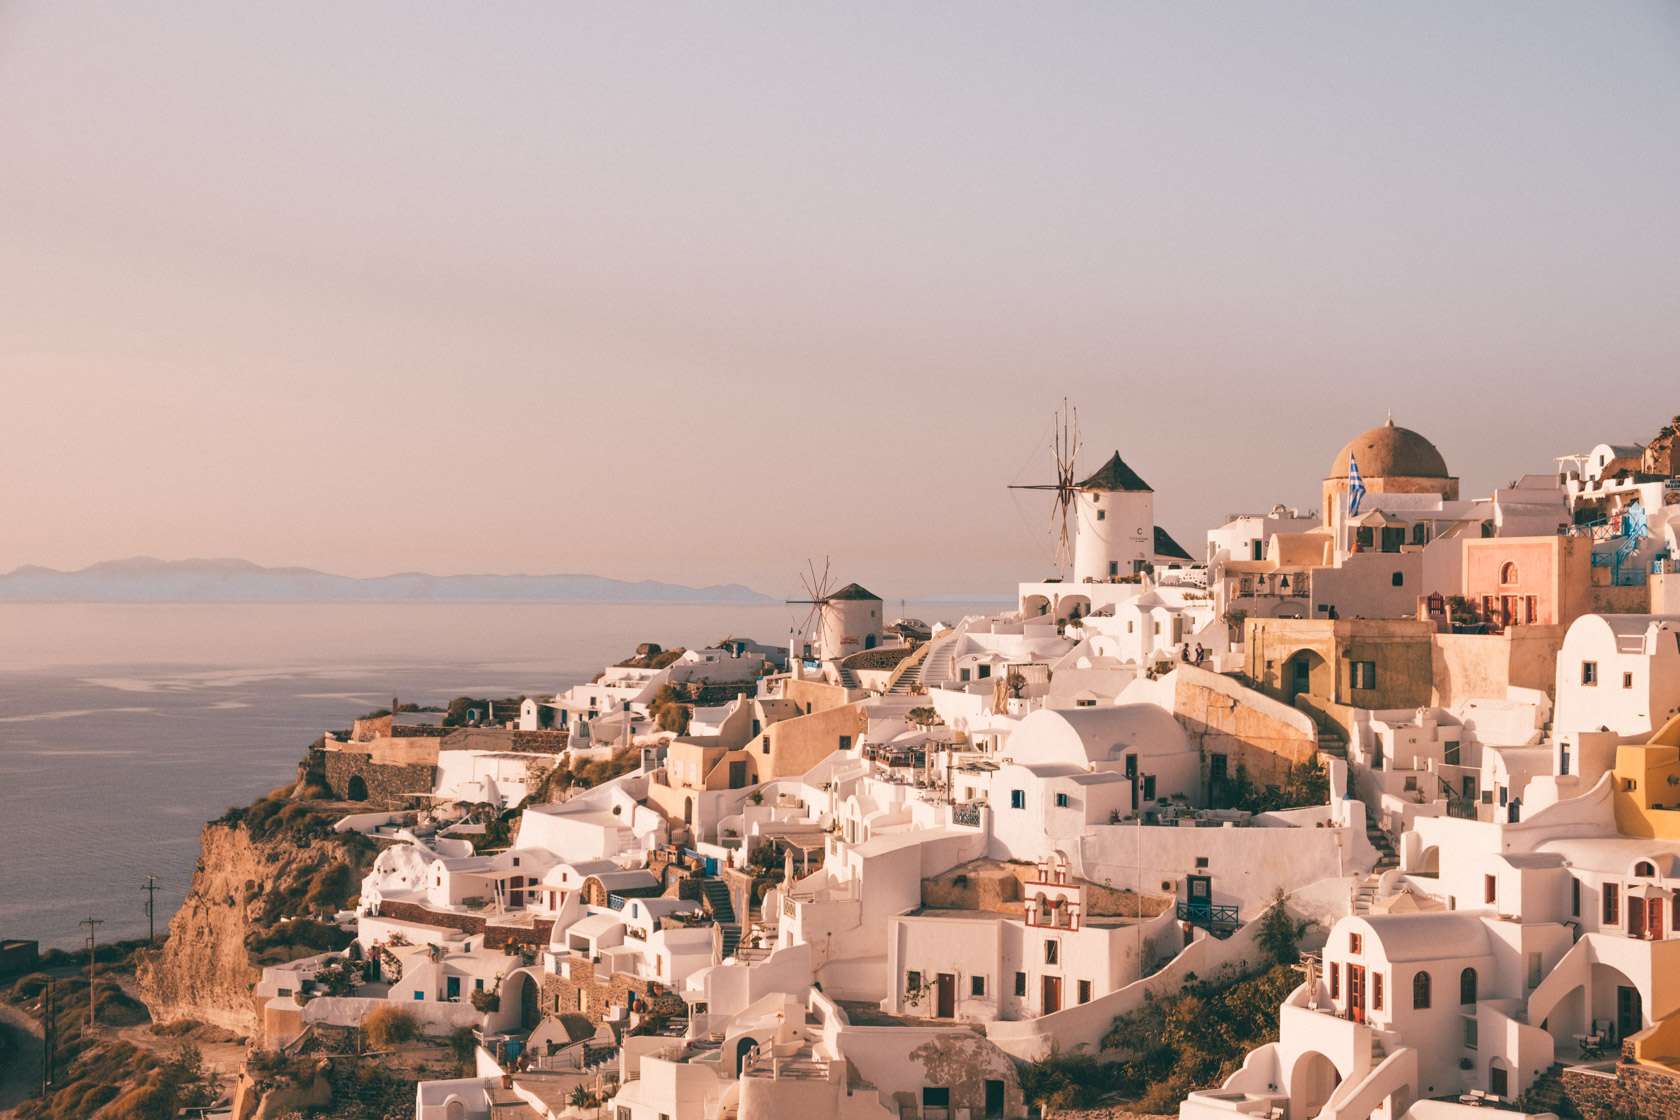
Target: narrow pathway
(20, 1075)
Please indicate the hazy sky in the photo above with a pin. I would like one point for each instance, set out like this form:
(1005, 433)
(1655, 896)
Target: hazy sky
(693, 292)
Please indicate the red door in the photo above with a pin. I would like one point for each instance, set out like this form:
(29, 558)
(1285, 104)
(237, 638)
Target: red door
(1356, 992)
(1052, 994)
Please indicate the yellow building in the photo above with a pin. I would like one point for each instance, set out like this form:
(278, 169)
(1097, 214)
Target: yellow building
(1647, 789)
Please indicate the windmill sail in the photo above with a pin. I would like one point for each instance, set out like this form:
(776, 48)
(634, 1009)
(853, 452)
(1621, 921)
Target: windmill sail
(1064, 447)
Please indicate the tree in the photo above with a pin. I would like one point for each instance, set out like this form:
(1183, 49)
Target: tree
(390, 1025)
(1280, 935)
(1234, 618)
(922, 717)
(1063, 1079)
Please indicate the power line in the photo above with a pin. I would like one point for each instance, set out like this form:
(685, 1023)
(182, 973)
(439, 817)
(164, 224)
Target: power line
(93, 964)
(150, 887)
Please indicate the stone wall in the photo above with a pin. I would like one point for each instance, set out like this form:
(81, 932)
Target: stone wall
(560, 992)
(384, 781)
(495, 936)
(1635, 1091)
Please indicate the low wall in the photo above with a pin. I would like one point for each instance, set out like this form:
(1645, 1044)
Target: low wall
(384, 781)
(1085, 1024)
(495, 936)
(1633, 1090)
(349, 1011)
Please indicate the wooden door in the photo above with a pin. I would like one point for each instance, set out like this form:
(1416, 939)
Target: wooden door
(1635, 916)
(1654, 919)
(947, 996)
(1356, 992)
(1052, 994)
(1629, 1019)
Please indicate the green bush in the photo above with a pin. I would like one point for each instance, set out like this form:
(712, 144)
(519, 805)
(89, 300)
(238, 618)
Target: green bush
(390, 1025)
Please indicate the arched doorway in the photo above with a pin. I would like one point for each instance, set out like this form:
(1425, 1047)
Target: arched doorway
(869, 641)
(743, 1047)
(1310, 1084)
(356, 790)
(530, 1003)
(688, 810)
(1035, 605)
(1430, 864)
(1306, 672)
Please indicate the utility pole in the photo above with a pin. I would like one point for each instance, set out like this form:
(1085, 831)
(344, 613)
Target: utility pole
(150, 887)
(93, 964)
(49, 1020)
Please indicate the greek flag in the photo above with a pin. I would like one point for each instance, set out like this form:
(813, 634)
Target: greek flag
(1356, 487)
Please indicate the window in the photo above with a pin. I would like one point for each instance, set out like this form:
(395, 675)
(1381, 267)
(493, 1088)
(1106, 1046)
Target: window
(1114, 567)
(1356, 943)
(1508, 573)
(1017, 799)
(845, 742)
(1575, 897)
(478, 984)
(1490, 889)
(1149, 787)
(1131, 627)
(1399, 579)
(1052, 952)
(1612, 904)
(984, 671)
(936, 1097)
(1217, 768)
(1420, 992)
(1589, 672)
(283, 992)
(1467, 986)
(1364, 674)
(1376, 991)
(1157, 628)
(1201, 863)
(624, 1113)
(1563, 759)
(1020, 983)
(516, 861)
(1335, 980)
(1627, 680)
(1061, 801)
(912, 980)
(1102, 514)
(419, 995)
(962, 674)
(1645, 870)
(1470, 1032)
(1084, 991)
(977, 986)
(1085, 703)
(766, 742)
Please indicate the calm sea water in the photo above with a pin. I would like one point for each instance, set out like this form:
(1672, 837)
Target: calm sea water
(125, 726)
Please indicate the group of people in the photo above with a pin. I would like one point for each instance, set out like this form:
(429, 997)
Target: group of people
(1196, 658)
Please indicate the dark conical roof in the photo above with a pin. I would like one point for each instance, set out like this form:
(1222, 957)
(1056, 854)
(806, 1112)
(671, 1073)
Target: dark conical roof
(1115, 475)
(854, 591)
(1166, 546)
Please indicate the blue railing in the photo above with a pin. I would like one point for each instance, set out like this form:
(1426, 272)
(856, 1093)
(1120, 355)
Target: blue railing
(1207, 913)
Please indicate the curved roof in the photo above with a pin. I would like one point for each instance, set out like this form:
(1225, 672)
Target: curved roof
(1429, 936)
(1390, 452)
(1105, 733)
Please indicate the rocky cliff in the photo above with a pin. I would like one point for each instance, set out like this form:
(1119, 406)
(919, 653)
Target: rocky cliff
(277, 860)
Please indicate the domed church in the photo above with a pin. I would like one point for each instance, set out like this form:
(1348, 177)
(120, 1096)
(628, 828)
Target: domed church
(1391, 460)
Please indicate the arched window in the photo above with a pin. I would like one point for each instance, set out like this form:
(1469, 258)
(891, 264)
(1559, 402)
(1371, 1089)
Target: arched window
(1644, 869)
(1420, 992)
(1467, 986)
(456, 1109)
(1508, 574)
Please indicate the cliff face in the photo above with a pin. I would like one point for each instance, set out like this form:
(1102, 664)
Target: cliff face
(276, 860)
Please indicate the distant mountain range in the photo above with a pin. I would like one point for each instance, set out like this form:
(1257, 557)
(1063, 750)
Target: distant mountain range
(143, 578)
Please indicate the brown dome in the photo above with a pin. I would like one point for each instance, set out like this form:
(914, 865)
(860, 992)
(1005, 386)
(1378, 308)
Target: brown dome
(1390, 452)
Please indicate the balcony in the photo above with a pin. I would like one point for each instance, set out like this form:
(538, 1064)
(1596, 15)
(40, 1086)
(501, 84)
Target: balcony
(1207, 915)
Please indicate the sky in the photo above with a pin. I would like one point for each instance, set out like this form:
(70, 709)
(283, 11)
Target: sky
(697, 292)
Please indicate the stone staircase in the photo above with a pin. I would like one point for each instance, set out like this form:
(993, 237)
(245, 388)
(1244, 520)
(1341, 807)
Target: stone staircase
(1547, 1095)
(907, 682)
(716, 892)
(1332, 743)
(848, 679)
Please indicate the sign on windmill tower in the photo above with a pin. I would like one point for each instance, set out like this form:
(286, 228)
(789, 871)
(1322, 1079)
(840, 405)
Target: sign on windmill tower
(1116, 524)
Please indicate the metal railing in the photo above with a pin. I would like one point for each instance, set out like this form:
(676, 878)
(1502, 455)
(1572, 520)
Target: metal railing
(1207, 913)
(966, 815)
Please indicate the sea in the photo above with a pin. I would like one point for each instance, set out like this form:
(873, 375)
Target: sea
(125, 726)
